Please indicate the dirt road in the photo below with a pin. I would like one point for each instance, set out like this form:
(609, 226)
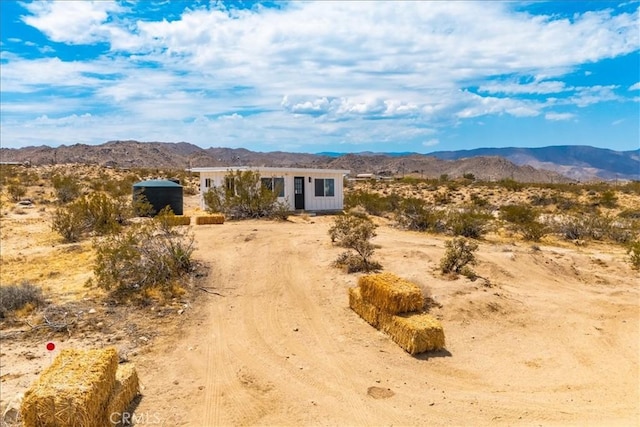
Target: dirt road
(553, 342)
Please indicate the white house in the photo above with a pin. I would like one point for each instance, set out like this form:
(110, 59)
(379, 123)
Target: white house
(314, 190)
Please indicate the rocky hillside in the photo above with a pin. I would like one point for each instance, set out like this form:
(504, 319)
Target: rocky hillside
(182, 155)
(574, 161)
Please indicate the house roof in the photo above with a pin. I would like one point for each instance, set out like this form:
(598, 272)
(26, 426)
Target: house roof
(270, 170)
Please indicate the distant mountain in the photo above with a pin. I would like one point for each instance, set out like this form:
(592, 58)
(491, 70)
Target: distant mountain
(578, 162)
(129, 154)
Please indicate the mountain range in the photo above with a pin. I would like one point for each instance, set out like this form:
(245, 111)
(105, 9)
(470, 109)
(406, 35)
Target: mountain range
(547, 164)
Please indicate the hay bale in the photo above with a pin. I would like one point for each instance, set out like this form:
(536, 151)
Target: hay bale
(414, 332)
(210, 219)
(73, 391)
(178, 220)
(126, 388)
(368, 312)
(390, 293)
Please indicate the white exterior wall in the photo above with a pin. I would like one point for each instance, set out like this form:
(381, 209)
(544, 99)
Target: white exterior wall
(311, 201)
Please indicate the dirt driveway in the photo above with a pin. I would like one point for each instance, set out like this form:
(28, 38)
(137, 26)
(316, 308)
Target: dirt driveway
(553, 342)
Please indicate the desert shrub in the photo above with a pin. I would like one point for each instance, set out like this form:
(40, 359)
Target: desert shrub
(354, 233)
(591, 226)
(414, 214)
(15, 297)
(96, 213)
(634, 254)
(468, 222)
(511, 184)
(479, 201)
(633, 213)
(143, 257)
(523, 219)
(469, 176)
(443, 198)
(115, 186)
(244, 197)
(67, 188)
(608, 199)
(373, 203)
(460, 253)
(16, 191)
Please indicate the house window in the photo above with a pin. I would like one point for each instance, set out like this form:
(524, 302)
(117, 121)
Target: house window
(274, 184)
(230, 184)
(325, 187)
(207, 183)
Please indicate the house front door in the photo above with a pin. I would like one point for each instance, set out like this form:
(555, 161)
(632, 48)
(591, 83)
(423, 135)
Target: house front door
(298, 191)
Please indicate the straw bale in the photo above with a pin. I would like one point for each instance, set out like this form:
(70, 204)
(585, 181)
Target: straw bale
(390, 293)
(178, 220)
(414, 332)
(368, 312)
(73, 391)
(210, 219)
(126, 388)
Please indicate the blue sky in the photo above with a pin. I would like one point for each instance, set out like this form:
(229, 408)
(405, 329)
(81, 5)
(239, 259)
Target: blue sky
(321, 76)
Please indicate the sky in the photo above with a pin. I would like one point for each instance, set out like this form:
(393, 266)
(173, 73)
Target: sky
(415, 76)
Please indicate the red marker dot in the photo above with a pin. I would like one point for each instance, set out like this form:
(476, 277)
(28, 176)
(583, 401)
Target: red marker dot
(51, 346)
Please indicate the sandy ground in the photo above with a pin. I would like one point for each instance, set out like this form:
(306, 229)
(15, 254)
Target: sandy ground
(553, 341)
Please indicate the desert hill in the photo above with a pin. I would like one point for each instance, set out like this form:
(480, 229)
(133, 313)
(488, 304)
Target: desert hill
(125, 154)
(579, 162)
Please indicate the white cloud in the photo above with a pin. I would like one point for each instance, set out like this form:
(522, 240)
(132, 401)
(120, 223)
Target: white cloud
(635, 86)
(559, 116)
(543, 87)
(431, 142)
(74, 22)
(331, 71)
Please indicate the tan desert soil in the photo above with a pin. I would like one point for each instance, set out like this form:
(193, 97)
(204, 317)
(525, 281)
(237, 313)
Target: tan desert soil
(553, 341)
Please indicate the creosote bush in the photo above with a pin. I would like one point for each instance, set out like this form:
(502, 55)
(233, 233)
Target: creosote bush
(634, 254)
(96, 213)
(354, 233)
(67, 188)
(244, 196)
(143, 257)
(524, 220)
(459, 254)
(414, 214)
(15, 297)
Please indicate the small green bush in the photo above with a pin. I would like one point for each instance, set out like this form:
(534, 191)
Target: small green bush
(414, 214)
(523, 219)
(608, 199)
(468, 222)
(459, 254)
(96, 213)
(354, 233)
(14, 297)
(67, 188)
(244, 197)
(634, 254)
(16, 191)
(142, 257)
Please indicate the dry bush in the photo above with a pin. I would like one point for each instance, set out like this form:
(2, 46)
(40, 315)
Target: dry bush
(245, 197)
(524, 220)
(634, 254)
(459, 254)
(145, 256)
(67, 188)
(96, 213)
(468, 222)
(355, 233)
(15, 297)
(16, 191)
(415, 214)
